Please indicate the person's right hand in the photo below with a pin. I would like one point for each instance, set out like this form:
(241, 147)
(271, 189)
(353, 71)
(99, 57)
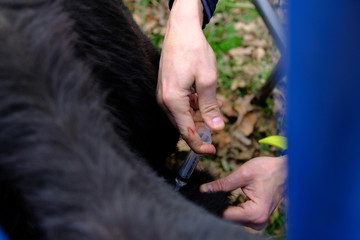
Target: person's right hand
(188, 75)
(262, 180)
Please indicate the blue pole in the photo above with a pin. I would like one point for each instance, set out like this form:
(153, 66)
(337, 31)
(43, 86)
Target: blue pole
(324, 120)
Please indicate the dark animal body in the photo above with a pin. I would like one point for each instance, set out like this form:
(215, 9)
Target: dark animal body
(80, 128)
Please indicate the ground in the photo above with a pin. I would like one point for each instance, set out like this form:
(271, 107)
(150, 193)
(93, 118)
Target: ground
(246, 55)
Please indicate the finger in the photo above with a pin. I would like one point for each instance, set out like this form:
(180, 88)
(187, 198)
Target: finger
(248, 213)
(194, 101)
(197, 145)
(241, 213)
(208, 105)
(199, 121)
(236, 180)
(186, 125)
(196, 114)
(193, 89)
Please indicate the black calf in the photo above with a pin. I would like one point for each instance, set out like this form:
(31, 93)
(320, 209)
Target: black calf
(64, 172)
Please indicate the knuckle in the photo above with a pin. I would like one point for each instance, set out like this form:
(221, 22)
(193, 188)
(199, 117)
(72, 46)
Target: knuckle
(159, 99)
(260, 217)
(260, 220)
(211, 73)
(210, 108)
(168, 99)
(196, 148)
(208, 81)
(245, 172)
(194, 144)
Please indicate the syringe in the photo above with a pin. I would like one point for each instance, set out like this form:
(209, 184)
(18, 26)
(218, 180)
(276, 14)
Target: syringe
(191, 160)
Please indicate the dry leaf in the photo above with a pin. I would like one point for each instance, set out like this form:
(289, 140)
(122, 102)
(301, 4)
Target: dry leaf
(251, 70)
(241, 137)
(243, 105)
(234, 86)
(221, 152)
(183, 146)
(236, 193)
(238, 25)
(240, 51)
(228, 109)
(237, 84)
(235, 144)
(248, 37)
(221, 97)
(221, 139)
(239, 60)
(250, 27)
(242, 84)
(255, 43)
(233, 164)
(248, 123)
(149, 24)
(259, 54)
(137, 18)
(245, 155)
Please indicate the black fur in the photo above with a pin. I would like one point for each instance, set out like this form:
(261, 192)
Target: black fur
(125, 63)
(69, 168)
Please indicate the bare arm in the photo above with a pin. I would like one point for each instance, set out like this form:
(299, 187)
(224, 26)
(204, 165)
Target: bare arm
(188, 75)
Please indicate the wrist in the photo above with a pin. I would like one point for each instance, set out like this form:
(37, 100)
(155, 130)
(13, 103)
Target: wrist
(188, 12)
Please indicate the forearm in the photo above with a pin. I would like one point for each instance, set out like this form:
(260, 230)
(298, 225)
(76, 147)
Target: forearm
(188, 75)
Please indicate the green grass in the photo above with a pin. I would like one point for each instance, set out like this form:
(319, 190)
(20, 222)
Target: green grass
(156, 39)
(276, 224)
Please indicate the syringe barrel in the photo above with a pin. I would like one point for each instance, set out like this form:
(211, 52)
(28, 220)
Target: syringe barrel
(189, 165)
(193, 158)
(205, 134)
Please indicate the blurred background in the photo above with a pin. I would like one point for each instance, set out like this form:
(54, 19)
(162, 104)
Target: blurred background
(246, 55)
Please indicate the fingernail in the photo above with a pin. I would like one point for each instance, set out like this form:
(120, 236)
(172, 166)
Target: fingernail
(206, 188)
(217, 122)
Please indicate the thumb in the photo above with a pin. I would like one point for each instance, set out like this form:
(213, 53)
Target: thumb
(209, 106)
(248, 213)
(222, 185)
(236, 180)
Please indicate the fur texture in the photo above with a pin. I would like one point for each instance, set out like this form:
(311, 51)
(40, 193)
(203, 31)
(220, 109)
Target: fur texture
(125, 64)
(79, 125)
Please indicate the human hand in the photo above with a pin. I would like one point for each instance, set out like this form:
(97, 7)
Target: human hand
(188, 75)
(262, 180)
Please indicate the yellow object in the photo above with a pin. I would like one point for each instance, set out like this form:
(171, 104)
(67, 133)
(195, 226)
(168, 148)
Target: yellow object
(277, 141)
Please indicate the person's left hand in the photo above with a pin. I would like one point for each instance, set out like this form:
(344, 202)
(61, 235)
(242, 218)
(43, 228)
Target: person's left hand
(262, 180)
(187, 80)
